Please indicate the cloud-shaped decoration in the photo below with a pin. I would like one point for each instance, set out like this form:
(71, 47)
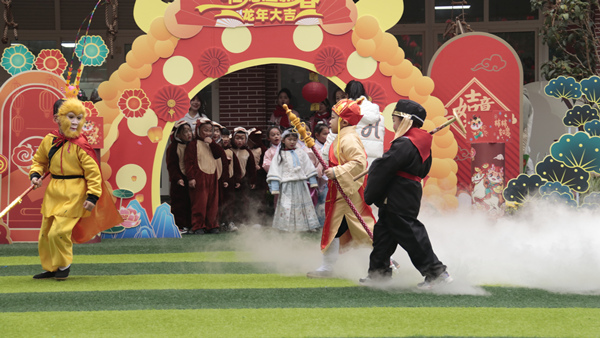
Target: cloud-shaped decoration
(552, 170)
(494, 63)
(563, 88)
(163, 223)
(578, 150)
(590, 87)
(557, 198)
(592, 128)
(591, 202)
(499, 157)
(550, 187)
(580, 115)
(522, 188)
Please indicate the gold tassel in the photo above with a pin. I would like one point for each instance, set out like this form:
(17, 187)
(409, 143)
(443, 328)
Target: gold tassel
(404, 126)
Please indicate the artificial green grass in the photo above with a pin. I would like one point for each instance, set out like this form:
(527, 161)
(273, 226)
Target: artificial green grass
(330, 297)
(302, 322)
(14, 284)
(209, 256)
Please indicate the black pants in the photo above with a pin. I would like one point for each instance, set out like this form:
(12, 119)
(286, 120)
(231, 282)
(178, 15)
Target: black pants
(392, 229)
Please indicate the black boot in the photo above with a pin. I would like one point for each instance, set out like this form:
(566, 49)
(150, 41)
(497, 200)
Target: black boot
(62, 274)
(45, 275)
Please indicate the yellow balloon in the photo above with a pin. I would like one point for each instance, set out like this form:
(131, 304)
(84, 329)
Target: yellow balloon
(432, 181)
(366, 27)
(431, 190)
(453, 166)
(365, 48)
(439, 168)
(386, 48)
(449, 152)
(398, 57)
(428, 125)
(164, 49)
(355, 38)
(126, 73)
(412, 94)
(403, 86)
(404, 69)
(158, 29)
(145, 71)
(107, 91)
(143, 49)
(443, 141)
(434, 107)
(424, 86)
(448, 182)
(386, 69)
(133, 61)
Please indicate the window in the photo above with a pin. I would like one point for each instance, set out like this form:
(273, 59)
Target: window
(445, 10)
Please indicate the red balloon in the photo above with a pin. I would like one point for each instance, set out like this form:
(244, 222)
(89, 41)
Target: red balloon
(314, 92)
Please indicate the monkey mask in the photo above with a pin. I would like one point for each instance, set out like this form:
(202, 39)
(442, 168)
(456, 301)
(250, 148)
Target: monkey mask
(74, 106)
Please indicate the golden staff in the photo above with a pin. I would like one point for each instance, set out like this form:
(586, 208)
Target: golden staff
(19, 199)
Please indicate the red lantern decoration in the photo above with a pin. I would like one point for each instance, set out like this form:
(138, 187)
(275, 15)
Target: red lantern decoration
(315, 93)
(46, 103)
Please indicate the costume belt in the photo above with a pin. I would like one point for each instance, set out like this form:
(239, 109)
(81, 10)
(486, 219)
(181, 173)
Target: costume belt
(409, 176)
(67, 177)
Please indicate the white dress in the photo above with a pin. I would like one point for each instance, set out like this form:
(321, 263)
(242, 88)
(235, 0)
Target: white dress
(294, 211)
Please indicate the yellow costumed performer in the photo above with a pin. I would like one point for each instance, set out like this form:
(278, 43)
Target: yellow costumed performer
(347, 158)
(76, 204)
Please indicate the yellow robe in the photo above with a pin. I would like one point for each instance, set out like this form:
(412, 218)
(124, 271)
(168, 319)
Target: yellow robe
(352, 161)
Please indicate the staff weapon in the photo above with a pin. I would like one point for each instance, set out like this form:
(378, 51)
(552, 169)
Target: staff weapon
(455, 118)
(19, 199)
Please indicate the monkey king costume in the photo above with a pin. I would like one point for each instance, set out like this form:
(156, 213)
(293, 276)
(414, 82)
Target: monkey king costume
(394, 185)
(348, 159)
(76, 178)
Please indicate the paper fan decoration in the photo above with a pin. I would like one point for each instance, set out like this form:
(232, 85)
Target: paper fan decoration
(228, 22)
(330, 61)
(90, 109)
(51, 60)
(17, 59)
(376, 94)
(171, 103)
(133, 103)
(214, 62)
(91, 50)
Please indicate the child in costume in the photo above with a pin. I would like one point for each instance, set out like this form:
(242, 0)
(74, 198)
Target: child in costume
(76, 204)
(394, 185)
(290, 170)
(202, 156)
(179, 190)
(321, 132)
(247, 169)
(274, 138)
(259, 194)
(347, 159)
(227, 191)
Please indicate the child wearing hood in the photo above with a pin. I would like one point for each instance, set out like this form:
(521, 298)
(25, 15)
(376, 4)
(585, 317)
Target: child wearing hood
(179, 189)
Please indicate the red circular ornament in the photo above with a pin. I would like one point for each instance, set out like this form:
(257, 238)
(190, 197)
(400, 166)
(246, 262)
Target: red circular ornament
(314, 92)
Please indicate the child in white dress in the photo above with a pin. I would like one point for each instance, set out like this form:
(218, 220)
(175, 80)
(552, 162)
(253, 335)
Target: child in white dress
(290, 169)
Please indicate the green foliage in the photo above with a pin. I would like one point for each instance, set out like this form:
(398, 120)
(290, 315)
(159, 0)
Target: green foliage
(569, 29)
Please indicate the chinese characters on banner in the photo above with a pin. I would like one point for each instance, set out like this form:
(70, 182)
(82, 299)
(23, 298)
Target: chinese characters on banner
(266, 11)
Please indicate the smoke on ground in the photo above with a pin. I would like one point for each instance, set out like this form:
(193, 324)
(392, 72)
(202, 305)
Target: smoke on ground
(543, 246)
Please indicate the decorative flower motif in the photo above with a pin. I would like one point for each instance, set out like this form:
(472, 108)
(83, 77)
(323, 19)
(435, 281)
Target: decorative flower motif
(376, 93)
(131, 218)
(17, 59)
(171, 103)
(214, 62)
(3, 164)
(91, 50)
(330, 61)
(51, 60)
(90, 109)
(133, 103)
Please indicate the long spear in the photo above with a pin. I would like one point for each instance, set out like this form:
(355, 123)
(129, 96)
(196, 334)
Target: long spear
(310, 142)
(19, 199)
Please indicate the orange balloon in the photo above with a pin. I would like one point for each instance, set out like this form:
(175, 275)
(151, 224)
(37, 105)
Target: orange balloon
(355, 38)
(133, 61)
(448, 182)
(403, 86)
(367, 27)
(386, 48)
(412, 94)
(450, 201)
(164, 49)
(432, 181)
(451, 191)
(434, 107)
(106, 112)
(397, 58)
(158, 29)
(126, 73)
(143, 49)
(112, 104)
(439, 168)
(431, 190)
(453, 166)
(145, 71)
(428, 125)
(403, 70)
(365, 48)
(449, 152)
(437, 120)
(107, 91)
(424, 86)
(106, 170)
(386, 69)
(443, 141)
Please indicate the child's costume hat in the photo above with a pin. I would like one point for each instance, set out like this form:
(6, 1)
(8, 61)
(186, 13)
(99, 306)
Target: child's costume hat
(412, 110)
(349, 110)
